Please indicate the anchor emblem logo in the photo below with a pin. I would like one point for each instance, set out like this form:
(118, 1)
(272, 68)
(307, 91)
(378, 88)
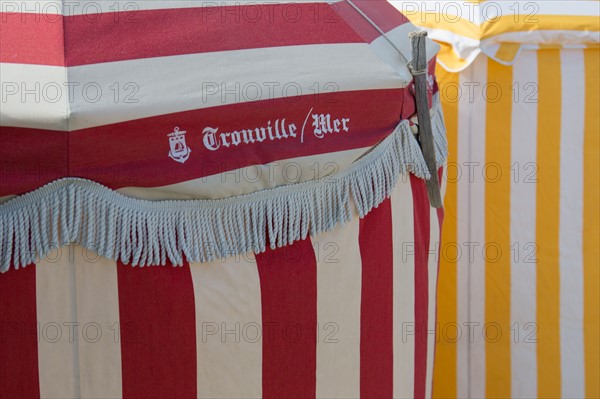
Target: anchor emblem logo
(180, 152)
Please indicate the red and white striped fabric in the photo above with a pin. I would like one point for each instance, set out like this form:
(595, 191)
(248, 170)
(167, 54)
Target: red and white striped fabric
(348, 313)
(93, 90)
(263, 148)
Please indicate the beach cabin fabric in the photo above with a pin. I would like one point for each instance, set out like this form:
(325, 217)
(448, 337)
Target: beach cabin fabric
(520, 267)
(205, 199)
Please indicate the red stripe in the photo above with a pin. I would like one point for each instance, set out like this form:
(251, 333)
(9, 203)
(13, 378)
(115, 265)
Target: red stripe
(109, 37)
(18, 331)
(382, 13)
(31, 38)
(288, 282)
(376, 320)
(31, 158)
(431, 91)
(135, 153)
(422, 231)
(158, 331)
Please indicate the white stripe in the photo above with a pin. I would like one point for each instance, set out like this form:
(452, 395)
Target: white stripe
(91, 7)
(449, 11)
(339, 277)
(251, 179)
(399, 36)
(466, 49)
(523, 228)
(33, 96)
(477, 130)
(490, 10)
(432, 330)
(561, 37)
(571, 224)
(462, 236)
(79, 350)
(99, 327)
(471, 232)
(228, 328)
(404, 289)
(163, 85)
(56, 309)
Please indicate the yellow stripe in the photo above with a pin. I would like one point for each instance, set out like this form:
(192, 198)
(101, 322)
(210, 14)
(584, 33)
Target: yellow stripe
(546, 46)
(444, 374)
(507, 52)
(507, 24)
(591, 225)
(547, 224)
(592, 46)
(497, 228)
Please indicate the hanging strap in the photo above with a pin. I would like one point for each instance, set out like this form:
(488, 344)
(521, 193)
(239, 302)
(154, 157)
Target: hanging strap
(418, 67)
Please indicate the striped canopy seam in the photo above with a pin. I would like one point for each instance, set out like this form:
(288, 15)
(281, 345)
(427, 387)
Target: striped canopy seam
(148, 233)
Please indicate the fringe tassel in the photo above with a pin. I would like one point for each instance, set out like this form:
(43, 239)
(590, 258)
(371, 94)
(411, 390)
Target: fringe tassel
(145, 233)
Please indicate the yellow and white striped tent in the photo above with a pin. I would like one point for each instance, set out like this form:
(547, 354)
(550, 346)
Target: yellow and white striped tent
(518, 310)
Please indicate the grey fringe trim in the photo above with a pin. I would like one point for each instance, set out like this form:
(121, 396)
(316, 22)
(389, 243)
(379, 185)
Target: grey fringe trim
(145, 233)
